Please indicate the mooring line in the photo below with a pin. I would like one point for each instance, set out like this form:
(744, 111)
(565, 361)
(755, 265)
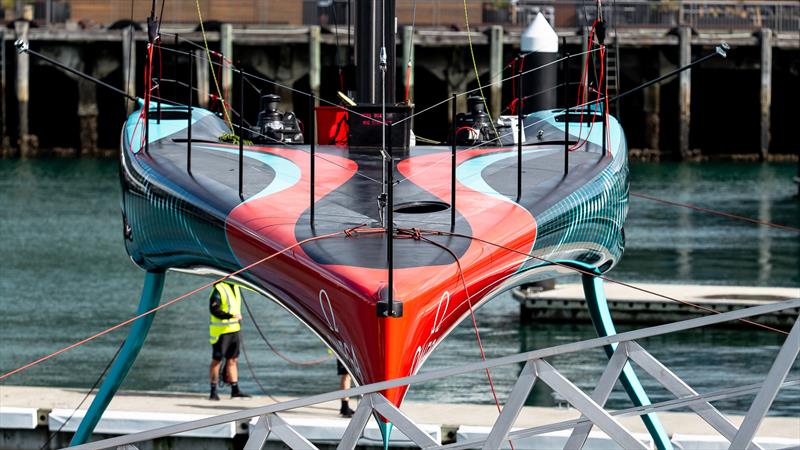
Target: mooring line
(716, 212)
(602, 277)
(311, 362)
(85, 397)
(417, 235)
(169, 303)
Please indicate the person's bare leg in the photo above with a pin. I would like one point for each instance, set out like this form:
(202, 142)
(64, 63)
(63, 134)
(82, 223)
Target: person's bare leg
(233, 370)
(344, 383)
(213, 373)
(213, 376)
(233, 376)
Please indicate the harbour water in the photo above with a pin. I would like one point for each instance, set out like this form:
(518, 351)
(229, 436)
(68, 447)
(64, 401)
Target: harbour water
(64, 275)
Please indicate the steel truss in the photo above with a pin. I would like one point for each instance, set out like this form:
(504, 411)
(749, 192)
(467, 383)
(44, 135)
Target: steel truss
(591, 406)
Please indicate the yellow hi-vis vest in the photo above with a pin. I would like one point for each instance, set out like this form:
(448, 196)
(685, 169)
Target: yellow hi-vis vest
(231, 298)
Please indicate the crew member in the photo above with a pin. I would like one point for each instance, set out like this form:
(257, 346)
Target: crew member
(225, 306)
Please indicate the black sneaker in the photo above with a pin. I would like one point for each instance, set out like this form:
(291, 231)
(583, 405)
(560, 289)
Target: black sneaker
(346, 412)
(214, 396)
(239, 394)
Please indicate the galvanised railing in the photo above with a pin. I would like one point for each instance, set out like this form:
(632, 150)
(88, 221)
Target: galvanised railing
(591, 405)
(781, 16)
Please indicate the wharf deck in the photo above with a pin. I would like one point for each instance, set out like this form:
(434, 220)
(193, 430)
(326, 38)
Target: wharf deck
(137, 411)
(566, 302)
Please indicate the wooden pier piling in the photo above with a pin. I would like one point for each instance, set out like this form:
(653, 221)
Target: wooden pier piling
(314, 61)
(129, 66)
(684, 92)
(765, 37)
(87, 117)
(21, 28)
(4, 144)
(226, 48)
(201, 70)
(652, 117)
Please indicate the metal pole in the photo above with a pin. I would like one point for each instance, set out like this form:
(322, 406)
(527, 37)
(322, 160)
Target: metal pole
(604, 100)
(565, 76)
(617, 112)
(684, 91)
(312, 138)
(175, 62)
(189, 116)
(519, 137)
(390, 220)
(147, 122)
(720, 50)
(3, 88)
(453, 167)
(241, 134)
(160, 69)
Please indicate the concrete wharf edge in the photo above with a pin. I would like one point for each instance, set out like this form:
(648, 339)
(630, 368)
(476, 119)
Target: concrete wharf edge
(445, 421)
(566, 302)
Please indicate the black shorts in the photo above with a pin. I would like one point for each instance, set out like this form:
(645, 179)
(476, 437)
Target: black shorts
(340, 370)
(227, 346)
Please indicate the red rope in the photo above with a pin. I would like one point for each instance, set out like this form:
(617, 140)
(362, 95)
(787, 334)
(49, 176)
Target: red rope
(583, 94)
(417, 235)
(148, 76)
(602, 277)
(597, 101)
(160, 67)
(717, 212)
(164, 305)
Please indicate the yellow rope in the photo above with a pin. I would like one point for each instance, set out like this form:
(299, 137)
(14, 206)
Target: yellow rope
(211, 64)
(475, 67)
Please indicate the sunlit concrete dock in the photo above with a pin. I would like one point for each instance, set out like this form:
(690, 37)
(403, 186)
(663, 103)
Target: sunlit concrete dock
(28, 415)
(566, 302)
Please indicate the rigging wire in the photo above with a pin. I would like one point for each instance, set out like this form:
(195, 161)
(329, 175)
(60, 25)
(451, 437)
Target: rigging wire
(316, 155)
(447, 157)
(275, 83)
(208, 54)
(503, 80)
(409, 66)
(85, 397)
(160, 17)
(475, 67)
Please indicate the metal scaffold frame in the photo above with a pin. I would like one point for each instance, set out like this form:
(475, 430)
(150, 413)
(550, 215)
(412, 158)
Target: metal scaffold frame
(591, 406)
